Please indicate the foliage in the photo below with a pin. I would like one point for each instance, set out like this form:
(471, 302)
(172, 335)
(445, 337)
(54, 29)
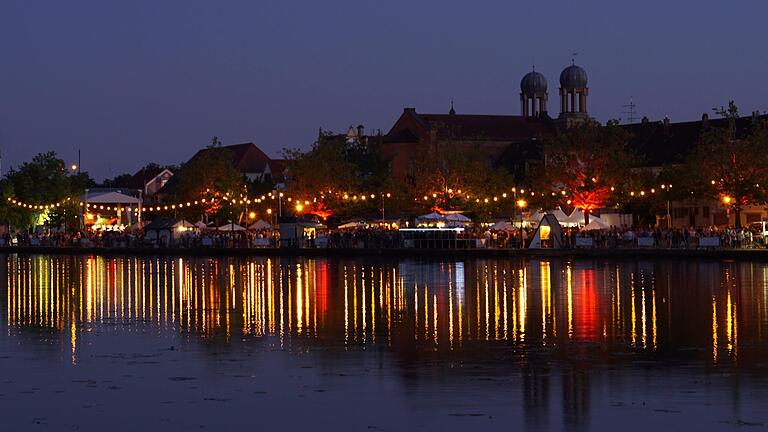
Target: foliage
(210, 175)
(456, 176)
(334, 166)
(731, 165)
(590, 163)
(44, 180)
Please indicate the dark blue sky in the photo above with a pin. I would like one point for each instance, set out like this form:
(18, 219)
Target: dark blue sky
(139, 81)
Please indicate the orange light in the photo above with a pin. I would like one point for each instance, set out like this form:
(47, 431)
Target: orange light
(299, 207)
(521, 203)
(252, 215)
(727, 199)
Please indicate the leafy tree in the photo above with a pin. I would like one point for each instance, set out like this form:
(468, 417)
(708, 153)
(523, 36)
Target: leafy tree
(731, 165)
(590, 163)
(211, 175)
(43, 181)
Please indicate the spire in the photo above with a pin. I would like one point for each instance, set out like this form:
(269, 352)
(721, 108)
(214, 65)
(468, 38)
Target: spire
(452, 111)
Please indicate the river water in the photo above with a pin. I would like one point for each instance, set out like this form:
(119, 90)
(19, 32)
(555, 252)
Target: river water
(148, 343)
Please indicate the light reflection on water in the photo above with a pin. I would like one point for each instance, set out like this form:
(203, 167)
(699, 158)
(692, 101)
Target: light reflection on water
(641, 306)
(504, 313)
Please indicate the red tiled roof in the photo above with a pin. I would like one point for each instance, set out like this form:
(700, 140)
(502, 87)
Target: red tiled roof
(412, 125)
(246, 157)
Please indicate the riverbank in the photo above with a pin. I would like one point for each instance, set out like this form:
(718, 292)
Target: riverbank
(648, 253)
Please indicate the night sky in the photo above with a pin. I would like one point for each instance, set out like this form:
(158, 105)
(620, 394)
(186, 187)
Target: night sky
(139, 81)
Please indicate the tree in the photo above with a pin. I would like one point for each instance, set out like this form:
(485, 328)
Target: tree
(731, 165)
(43, 181)
(457, 176)
(211, 175)
(588, 164)
(337, 166)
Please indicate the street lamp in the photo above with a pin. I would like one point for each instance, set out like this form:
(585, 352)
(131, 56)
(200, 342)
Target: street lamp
(521, 204)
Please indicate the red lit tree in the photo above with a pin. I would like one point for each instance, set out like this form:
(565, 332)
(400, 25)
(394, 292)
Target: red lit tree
(590, 163)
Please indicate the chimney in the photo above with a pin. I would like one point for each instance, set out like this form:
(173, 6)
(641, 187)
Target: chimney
(360, 130)
(409, 110)
(666, 122)
(705, 120)
(644, 120)
(755, 115)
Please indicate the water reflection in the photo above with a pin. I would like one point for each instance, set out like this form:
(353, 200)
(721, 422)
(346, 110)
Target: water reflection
(555, 321)
(643, 307)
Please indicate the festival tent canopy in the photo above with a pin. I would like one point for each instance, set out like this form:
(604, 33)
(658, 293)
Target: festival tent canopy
(110, 198)
(352, 225)
(535, 217)
(260, 225)
(502, 226)
(595, 224)
(434, 216)
(201, 225)
(231, 227)
(185, 224)
(457, 217)
(560, 215)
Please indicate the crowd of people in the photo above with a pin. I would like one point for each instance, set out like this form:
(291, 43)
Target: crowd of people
(472, 236)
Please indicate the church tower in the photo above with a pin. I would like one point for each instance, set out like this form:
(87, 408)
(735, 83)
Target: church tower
(533, 94)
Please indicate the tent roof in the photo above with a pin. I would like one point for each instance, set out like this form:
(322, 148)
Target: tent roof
(111, 198)
(260, 224)
(595, 223)
(231, 227)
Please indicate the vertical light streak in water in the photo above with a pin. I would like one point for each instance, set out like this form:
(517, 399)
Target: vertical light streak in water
(523, 301)
(434, 317)
(505, 311)
(88, 289)
(633, 315)
(354, 301)
(486, 308)
(460, 298)
(299, 298)
(346, 308)
(653, 315)
(450, 308)
(496, 304)
(617, 319)
(642, 317)
(416, 308)
(270, 298)
(569, 294)
(362, 303)
(714, 329)
(426, 311)
(373, 305)
(729, 321)
(73, 341)
(282, 310)
(545, 274)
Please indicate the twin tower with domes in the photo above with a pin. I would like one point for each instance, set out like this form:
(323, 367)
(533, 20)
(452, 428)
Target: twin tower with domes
(573, 93)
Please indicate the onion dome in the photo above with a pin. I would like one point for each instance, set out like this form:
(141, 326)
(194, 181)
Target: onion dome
(573, 76)
(533, 82)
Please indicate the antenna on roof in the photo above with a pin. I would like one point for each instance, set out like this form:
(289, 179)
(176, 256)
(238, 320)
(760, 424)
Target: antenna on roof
(452, 111)
(630, 112)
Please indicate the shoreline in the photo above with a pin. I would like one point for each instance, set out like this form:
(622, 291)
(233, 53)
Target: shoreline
(646, 253)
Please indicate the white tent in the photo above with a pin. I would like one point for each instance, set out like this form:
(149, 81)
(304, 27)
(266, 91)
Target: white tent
(535, 217)
(201, 225)
(352, 225)
(231, 227)
(183, 223)
(502, 226)
(260, 225)
(576, 218)
(560, 215)
(434, 216)
(595, 224)
(110, 198)
(457, 217)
